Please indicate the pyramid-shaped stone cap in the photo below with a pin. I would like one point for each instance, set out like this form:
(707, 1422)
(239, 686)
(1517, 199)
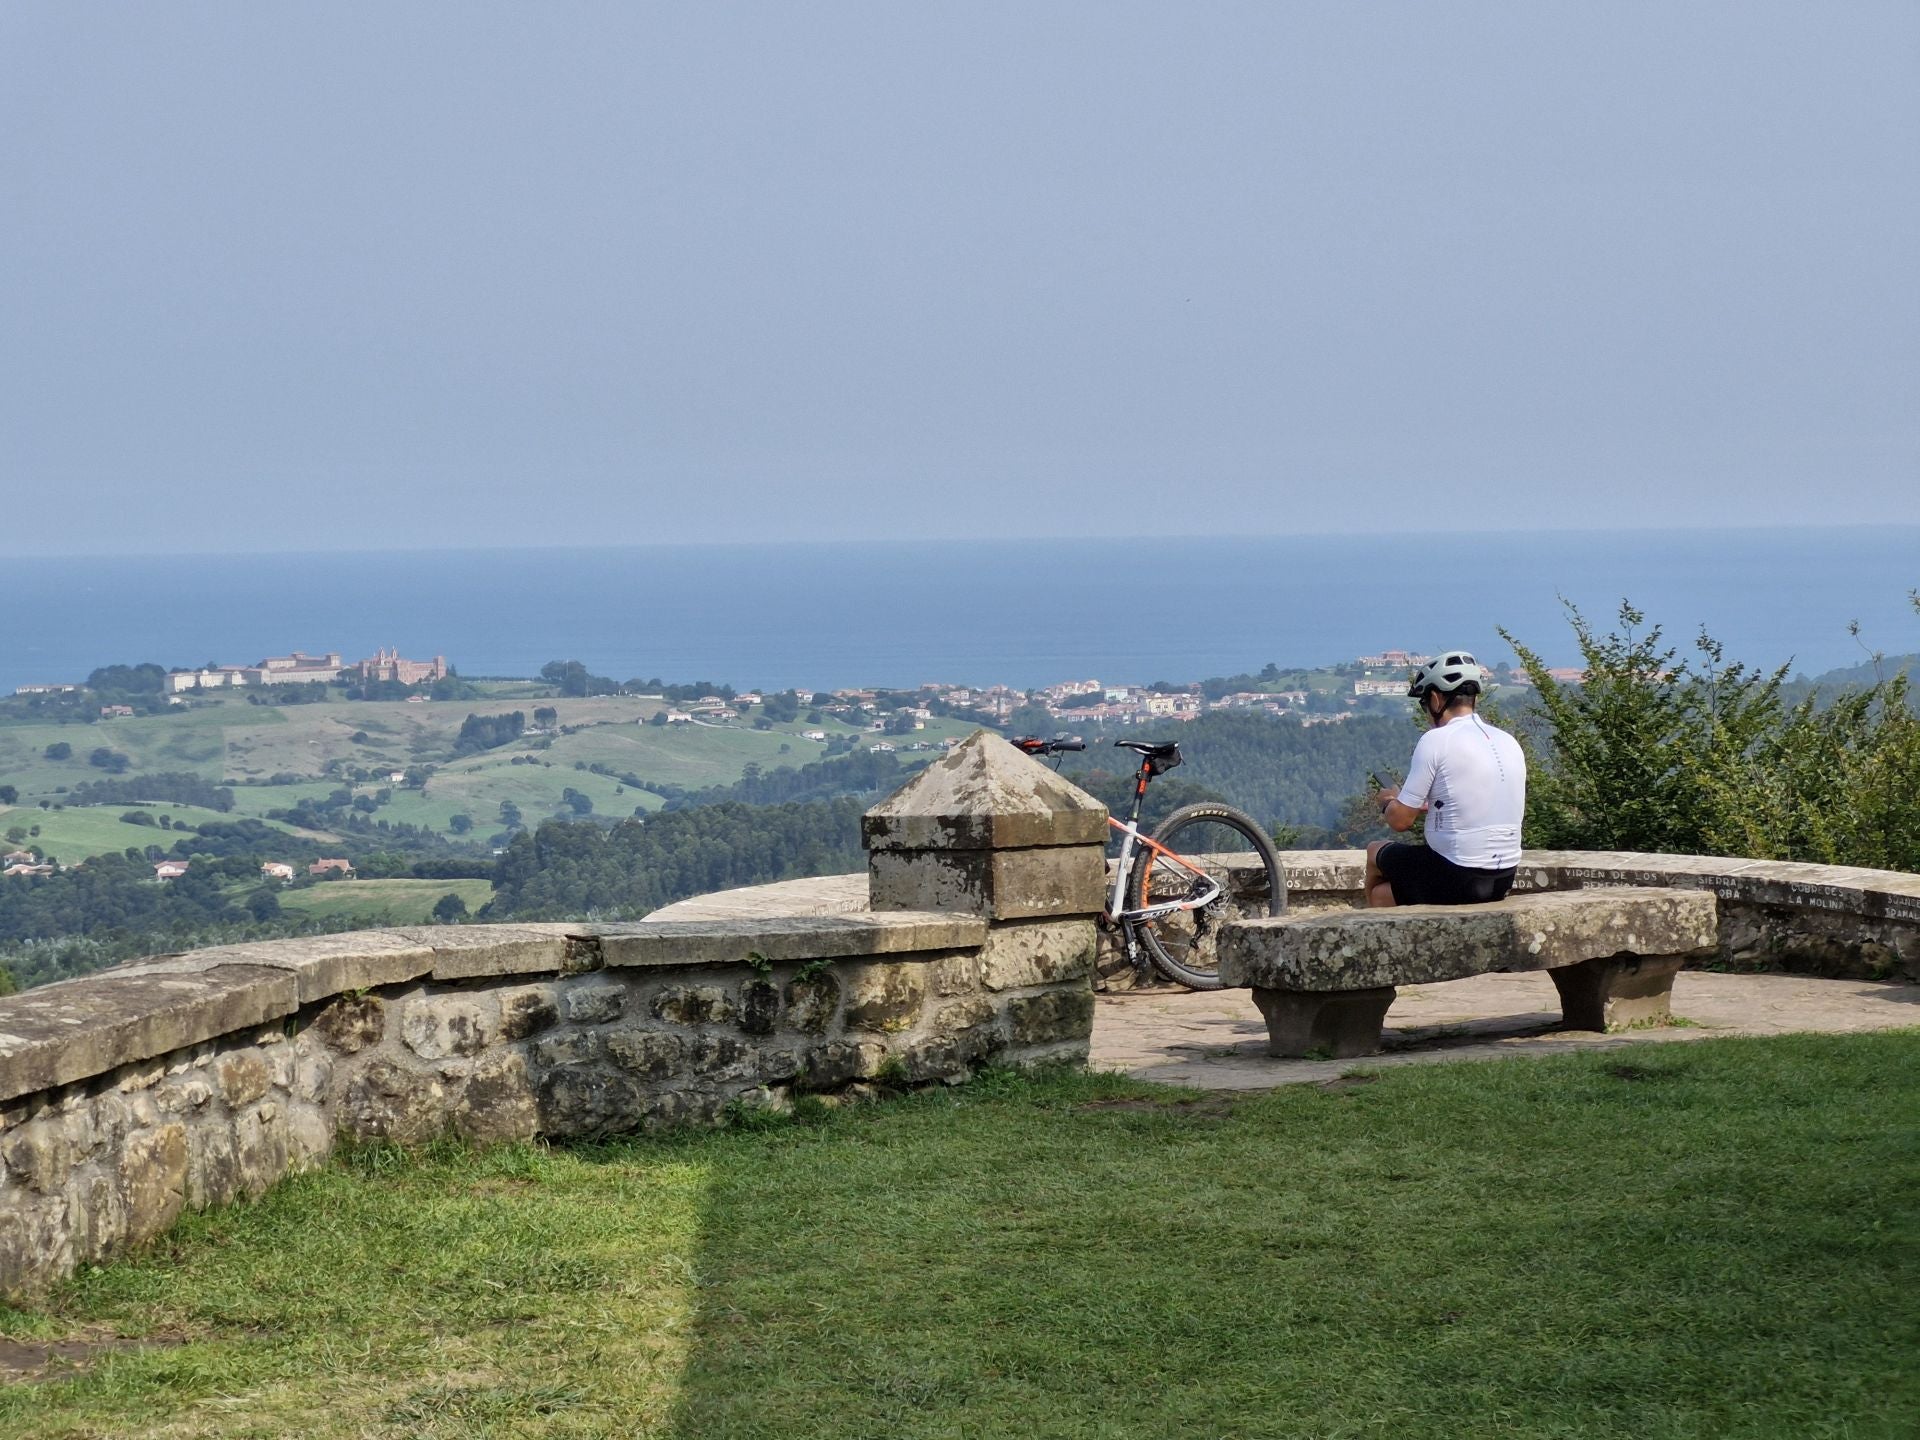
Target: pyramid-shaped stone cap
(985, 795)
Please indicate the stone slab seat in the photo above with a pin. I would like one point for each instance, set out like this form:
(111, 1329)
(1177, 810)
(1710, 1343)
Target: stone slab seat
(1324, 981)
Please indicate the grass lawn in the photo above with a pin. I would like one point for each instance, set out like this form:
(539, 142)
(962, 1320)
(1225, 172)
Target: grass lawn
(1717, 1239)
(382, 902)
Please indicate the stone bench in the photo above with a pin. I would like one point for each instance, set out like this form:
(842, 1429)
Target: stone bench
(1324, 981)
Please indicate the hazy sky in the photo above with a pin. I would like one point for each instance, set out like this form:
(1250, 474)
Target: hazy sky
(337, 275)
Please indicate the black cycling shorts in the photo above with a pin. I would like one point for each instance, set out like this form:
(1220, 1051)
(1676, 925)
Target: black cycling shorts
(1422, 876)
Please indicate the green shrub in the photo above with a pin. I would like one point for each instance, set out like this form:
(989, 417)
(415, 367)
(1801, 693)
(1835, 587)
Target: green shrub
(1656, 753)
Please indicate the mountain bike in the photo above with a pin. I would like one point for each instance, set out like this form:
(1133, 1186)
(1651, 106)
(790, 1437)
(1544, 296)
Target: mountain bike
(1203, 865)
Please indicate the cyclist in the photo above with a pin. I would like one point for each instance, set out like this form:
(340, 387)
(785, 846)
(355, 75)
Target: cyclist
(1470, 780)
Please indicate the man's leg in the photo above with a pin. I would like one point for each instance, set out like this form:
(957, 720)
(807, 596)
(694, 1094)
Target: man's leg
(1379, 892)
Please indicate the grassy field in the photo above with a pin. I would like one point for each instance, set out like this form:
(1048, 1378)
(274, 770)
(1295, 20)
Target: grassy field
(382, 902)
(228, 739)
(477, 792)
(74, 834)
(1711, 1240)
(192, 739)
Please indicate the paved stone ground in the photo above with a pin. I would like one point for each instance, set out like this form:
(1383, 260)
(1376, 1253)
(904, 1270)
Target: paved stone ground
(1217, 1040)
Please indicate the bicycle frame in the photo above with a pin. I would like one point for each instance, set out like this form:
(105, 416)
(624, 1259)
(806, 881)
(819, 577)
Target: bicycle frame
(1146, 942)
(1117, 913)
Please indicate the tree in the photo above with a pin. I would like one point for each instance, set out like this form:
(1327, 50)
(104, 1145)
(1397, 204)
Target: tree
(487, 732)
(509, 813)
(59, 750)
(1651, 752)
(449, 908)
(145, 679)
(572, 678)
(1031, 719)
(460, 824)
(659, 717)
(111, 761)
(574, 800)
(263, 904)
(545, 715)
(8, 794)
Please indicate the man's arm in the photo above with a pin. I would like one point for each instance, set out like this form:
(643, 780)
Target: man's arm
(1398, 816)
(1401, 808)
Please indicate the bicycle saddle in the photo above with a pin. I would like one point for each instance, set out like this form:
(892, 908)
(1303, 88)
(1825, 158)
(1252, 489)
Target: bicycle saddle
(1153, 750)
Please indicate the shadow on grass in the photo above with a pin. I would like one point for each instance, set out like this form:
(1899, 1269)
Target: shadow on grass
(1717, 1239)
(1720, 1240)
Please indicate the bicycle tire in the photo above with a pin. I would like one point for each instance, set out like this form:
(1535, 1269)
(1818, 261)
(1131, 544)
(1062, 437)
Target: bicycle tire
(1183, 946)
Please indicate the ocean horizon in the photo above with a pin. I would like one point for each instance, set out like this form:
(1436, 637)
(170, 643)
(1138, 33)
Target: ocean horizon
(1018, 612)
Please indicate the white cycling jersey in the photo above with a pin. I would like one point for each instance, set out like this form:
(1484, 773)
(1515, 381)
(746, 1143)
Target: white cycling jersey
(1472, 778)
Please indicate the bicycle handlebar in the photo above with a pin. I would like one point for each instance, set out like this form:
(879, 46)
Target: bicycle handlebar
(1034, 745)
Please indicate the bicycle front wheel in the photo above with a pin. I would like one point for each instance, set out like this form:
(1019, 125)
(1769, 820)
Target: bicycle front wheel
(1228, 846)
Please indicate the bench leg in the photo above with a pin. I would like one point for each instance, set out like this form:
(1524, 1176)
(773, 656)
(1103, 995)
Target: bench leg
(1340, 1024)
(1616, 993)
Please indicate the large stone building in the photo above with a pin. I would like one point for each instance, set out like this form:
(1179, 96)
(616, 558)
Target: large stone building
(295, 669)
(387, 665)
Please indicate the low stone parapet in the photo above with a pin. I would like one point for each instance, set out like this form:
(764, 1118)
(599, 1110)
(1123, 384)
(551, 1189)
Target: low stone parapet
(1833, 920)
(127, 1096)
(188, 1080)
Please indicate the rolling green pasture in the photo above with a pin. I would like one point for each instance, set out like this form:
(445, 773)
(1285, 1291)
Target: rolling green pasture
(1714, 1241)
(256, 800)
(75, 833)
(476, 788)
(690, 755)
(193, 740)
(228, 739)
(381, 902)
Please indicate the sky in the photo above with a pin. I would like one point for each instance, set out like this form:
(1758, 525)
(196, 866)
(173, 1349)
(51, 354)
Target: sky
(367, 276)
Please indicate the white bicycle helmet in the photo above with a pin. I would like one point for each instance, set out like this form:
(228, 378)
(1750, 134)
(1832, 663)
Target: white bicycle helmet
(1446, 673)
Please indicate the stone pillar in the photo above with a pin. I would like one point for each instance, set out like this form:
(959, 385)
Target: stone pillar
(987, 831)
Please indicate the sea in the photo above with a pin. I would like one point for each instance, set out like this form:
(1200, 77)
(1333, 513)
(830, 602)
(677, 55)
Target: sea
(1016, 612)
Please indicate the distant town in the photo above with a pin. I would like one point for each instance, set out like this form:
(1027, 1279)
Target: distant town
(304, 768)
(1093, 702)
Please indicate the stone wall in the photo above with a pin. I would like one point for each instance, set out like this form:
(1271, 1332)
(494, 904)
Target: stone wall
(1832, 920)
(190, 1080)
